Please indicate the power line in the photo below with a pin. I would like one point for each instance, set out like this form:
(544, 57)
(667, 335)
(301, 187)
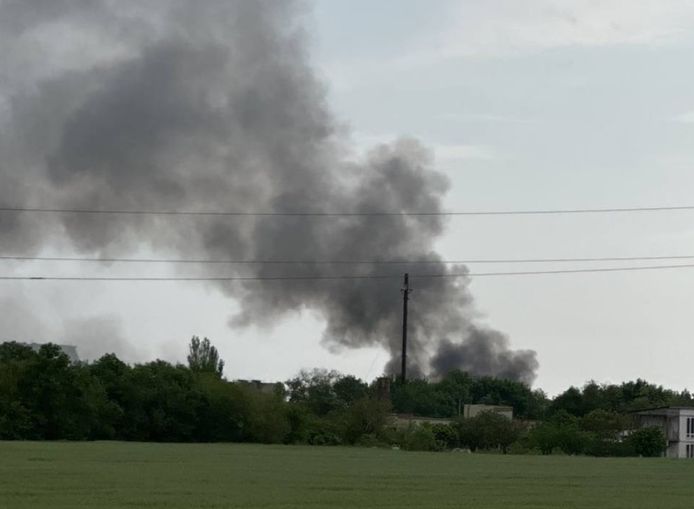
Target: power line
(342, 262)
(560, 271)
(343, 213)
(212, 278)
(346, 277)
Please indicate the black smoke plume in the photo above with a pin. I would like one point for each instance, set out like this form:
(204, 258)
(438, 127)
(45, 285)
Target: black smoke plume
(180, 105)
(485, 352)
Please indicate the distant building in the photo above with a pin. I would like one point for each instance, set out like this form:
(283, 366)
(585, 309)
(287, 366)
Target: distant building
(264, 387)
(475, 410)
(69, 350)
(401, 421)
(405, 420)
(677, 424)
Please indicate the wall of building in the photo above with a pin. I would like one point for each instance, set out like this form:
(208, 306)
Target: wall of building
(685, 438)
(402, 421)
(474, 410)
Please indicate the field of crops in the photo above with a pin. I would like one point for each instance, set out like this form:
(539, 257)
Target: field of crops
(109, 475)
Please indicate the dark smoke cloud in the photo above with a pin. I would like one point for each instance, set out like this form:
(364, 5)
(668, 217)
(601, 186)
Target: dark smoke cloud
(485, 352)
(173, 105)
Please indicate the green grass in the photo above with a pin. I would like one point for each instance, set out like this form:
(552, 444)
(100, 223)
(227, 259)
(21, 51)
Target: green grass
(106, 475)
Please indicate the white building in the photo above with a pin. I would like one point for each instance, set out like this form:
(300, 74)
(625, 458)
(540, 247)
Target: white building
(677, 424)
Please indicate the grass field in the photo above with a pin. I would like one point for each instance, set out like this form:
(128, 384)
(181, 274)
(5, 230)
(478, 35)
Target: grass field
(107, 475)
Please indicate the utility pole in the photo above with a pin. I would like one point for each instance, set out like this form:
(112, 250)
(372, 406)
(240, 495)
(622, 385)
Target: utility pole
(405, 298)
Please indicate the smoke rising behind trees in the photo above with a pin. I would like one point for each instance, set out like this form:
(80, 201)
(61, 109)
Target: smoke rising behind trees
(175, 105)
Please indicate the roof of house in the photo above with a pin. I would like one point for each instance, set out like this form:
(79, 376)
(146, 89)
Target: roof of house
(664, 410)
(490, 407)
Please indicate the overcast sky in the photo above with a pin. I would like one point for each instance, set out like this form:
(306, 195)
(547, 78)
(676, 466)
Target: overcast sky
(526, 105)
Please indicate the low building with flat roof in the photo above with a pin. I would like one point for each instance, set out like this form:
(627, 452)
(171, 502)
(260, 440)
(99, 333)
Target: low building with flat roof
(264, 387)
(475, 410)
(401, 421)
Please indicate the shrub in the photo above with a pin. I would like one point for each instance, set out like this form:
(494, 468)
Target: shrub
(648, 442)
(371, 440)
(488, 430)
(420, 438)
(521, 447)
(549, 436)
(323, 431)
(446, 436)
(603, 423)
(609, 448)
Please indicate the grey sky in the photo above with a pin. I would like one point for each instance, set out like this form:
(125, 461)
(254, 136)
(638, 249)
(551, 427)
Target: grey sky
(555, 104)
(545, 104)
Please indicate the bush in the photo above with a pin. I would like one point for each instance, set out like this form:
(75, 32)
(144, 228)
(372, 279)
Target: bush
(544, 437)
(603, 423)
(609, 448)
(323, 431)
(488, 430)
(521, 447)
(268, 422)
(364, 416)
(446, 436)
(573, 441)
(371, 440)
(549, 436)
(648, 442)
(419, 438)
(15, 421)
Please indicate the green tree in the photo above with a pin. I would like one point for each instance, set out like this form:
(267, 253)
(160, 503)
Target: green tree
(544, 437)
(163, 404)
(203, 357)
(323, 392)
(572, 440)
(456, 386)
(16, 421)
(315, 390)
(420, 438)
(224, 413)
(526, 403)
(366, 416)
(570, 401)
(55, 394)
(560, 432)
(446, 435)
(421, 397)
(605, 424)
(268, 421)
(349, 389)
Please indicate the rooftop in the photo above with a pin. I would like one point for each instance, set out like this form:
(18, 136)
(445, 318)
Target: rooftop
(666, 410)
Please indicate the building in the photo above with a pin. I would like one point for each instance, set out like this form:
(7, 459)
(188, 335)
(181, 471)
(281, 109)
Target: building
(263, 387)
(403, 421)
(69, 350)
(677, 424)
(475, 410)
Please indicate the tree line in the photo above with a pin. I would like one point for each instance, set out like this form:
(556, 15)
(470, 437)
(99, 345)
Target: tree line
(44, 396)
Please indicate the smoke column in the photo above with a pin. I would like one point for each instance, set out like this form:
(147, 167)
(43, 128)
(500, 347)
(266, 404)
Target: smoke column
(179, 105)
